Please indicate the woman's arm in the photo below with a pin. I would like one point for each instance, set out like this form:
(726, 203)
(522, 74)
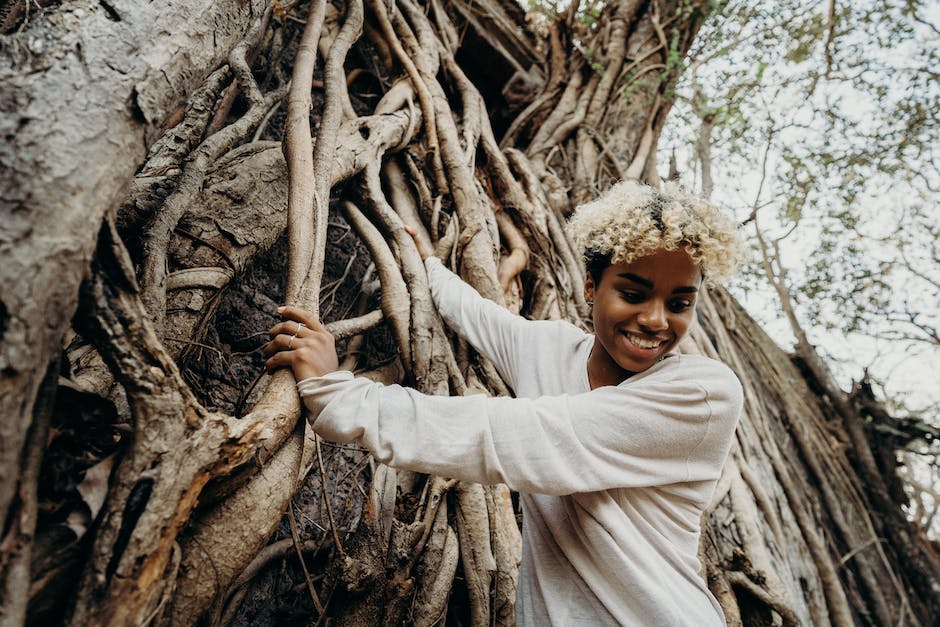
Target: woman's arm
(660, 431)
(494, 331)
(302, 343)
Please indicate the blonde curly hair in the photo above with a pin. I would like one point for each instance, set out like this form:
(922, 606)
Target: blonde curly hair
(631, 220)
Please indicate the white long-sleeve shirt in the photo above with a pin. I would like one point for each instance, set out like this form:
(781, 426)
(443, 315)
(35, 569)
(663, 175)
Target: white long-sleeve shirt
(613, 481)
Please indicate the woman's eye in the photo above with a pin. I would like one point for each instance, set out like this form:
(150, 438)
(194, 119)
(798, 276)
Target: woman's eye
(631, 297)
(680, 305)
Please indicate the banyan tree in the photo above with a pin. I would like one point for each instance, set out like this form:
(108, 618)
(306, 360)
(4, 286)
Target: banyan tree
(172, 172)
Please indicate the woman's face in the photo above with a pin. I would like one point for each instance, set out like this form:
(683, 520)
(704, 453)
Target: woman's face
(641, 311)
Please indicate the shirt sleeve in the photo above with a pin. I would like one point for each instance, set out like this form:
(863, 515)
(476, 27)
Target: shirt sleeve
(664, 431)
(491, 329)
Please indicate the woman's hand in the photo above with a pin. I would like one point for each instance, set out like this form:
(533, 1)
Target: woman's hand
(302, 343)
(422, 249)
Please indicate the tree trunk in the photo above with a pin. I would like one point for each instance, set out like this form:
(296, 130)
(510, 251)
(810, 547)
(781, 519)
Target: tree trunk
(86, 89)
(460, 118)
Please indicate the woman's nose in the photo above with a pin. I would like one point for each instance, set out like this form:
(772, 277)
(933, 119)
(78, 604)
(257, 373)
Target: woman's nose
(653, 317)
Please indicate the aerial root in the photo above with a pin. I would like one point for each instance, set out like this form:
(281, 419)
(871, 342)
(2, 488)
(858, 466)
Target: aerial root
(153, 267)
(769, 598)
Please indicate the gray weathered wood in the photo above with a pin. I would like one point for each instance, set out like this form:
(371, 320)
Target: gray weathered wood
(85, 90)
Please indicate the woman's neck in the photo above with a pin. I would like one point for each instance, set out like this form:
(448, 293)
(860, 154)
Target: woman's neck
(602, 370)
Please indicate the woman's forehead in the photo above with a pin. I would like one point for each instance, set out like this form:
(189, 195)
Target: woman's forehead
(660, 268)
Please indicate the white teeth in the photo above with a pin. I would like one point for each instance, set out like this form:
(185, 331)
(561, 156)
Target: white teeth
(642, 343)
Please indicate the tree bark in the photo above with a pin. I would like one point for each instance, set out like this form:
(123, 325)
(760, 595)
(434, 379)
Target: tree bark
(86, 89)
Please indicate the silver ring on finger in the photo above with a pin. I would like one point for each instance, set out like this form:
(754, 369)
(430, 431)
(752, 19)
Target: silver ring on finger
(290, 342)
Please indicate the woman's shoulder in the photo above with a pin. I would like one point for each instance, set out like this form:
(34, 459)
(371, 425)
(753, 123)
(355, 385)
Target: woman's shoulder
(561, 327)
(559, 334)
(693, 362)
(714, 376)
(553, 346)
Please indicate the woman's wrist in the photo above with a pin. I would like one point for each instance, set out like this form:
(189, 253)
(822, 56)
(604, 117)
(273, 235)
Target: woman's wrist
(311, 383)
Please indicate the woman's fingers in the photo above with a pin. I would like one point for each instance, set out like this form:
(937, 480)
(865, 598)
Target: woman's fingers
(281, 342)
(285, 350)
(311, 356)
(284, 342)
(299, 314)
(422, 250)
(287, 340)
(297, 319)
(289, 327)
(302, 343)
(277, 360)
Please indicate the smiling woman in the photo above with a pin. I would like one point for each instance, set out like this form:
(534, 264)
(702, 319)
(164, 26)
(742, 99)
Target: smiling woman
(614, 441)
(642, 309)
(646, 252)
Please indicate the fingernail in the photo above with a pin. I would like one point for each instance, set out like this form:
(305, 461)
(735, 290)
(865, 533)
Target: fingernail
(280, 309)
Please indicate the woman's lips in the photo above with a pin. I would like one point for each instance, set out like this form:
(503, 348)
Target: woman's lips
(643, 343)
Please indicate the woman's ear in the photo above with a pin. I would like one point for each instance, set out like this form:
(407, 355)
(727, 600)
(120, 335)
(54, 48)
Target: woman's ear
(589, 289)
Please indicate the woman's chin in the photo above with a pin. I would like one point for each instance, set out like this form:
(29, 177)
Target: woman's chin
(633, 358)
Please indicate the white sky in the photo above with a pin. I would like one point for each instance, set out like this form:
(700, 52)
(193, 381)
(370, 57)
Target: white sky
(910, 371)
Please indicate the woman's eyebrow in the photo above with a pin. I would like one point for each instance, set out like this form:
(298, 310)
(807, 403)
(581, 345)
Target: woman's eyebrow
(685, 289)
(636, 279)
